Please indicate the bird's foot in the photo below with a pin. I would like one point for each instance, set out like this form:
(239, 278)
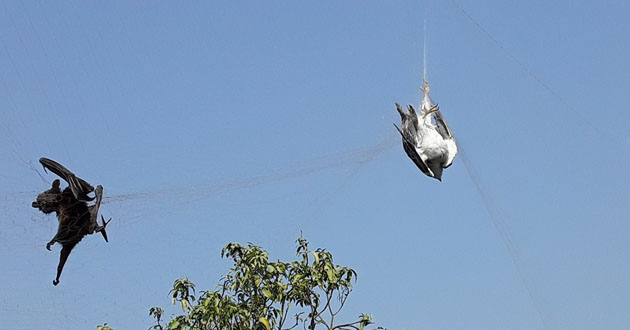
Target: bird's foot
(430, 111)
(101, 228)
(49, 244)
(425, 86)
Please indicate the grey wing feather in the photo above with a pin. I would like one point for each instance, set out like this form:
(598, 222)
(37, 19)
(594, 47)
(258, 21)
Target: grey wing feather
(442, 126)
(411, 152)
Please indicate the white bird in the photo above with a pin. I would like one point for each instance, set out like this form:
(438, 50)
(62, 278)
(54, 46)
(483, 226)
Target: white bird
(426, 137)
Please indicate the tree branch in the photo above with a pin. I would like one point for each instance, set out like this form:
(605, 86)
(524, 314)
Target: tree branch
(350, 325)
(342, 302)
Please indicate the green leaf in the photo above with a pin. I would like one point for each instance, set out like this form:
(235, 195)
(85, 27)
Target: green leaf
(315, 256)
(331, 274)
(267, 293)
(265, 322)
(271, 269)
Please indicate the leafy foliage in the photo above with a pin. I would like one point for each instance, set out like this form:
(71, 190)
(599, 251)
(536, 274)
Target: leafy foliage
(260, 294)
(103, 327)
(157, 313)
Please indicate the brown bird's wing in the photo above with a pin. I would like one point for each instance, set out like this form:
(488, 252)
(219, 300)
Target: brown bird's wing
(80, 188)
(94, 226)
(97, 204)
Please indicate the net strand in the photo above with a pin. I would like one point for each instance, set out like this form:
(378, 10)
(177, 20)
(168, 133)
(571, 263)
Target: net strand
(500, 226)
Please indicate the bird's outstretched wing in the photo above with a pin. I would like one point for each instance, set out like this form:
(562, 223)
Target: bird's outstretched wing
(80, 188)
(411, 152)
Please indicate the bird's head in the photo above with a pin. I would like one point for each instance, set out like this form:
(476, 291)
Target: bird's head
(437, 173)
(48, 201)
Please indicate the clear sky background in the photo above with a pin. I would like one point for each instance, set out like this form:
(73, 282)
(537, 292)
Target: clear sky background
(214, 122)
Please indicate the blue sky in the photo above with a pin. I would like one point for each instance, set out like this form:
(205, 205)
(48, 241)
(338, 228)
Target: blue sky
(215, 122)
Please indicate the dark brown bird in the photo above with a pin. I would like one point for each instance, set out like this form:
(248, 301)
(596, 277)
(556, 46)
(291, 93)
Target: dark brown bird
(76, 218)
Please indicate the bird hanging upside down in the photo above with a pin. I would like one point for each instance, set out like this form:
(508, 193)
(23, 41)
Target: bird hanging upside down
(426, 137)
(76, 218)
